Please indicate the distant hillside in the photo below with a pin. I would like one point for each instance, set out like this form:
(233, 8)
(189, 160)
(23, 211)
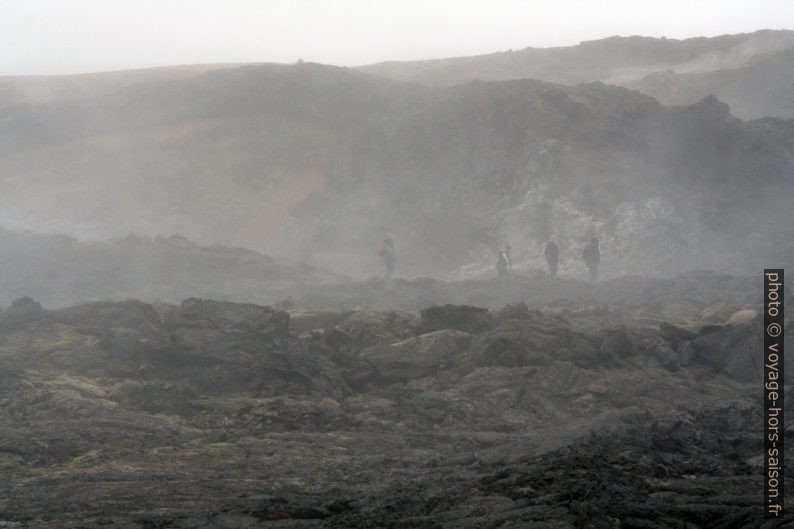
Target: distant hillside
(614, 60)
(764, 87)
(59, 270)
(675, 71)
(42, 89)
(320, 162)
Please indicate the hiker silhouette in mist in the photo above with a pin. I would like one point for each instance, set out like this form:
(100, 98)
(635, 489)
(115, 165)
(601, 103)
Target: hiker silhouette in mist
(504, 263)
(592, 256)
(552, 253)
(387, 252)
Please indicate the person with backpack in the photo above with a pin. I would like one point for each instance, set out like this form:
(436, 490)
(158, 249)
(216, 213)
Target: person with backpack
(552, 253)
(387, 253)
(592, 257)
(504, 264)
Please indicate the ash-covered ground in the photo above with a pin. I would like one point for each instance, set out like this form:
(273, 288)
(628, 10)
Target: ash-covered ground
(634, 403)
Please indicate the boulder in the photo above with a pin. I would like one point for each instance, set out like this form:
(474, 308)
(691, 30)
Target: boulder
(396, 363)
(719, 313)
(668, 358)
(432, 406)
(245, 317)
(537, 340)
(108, 315)
(507, 350)
(514, 312)
(303, 320)
(673, 333)
(449, 344)
(155, 397)
(736, 351)
(742, 317)
(685, 353)
(474, 320)
(616, 344)
(21, 311)
(365, 328)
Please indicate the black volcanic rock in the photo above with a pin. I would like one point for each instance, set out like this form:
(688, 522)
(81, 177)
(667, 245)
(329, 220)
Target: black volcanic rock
(125, 314)
(221, 417)
(244, 317)
(735, 350)
(22, 310)
(459, 317)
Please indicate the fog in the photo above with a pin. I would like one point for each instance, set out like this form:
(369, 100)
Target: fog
(315, 164)
(362, 264)
(53, 37)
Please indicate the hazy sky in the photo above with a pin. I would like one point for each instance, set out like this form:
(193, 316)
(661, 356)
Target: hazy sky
(69, 36)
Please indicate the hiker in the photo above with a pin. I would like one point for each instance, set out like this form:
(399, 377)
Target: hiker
(552, 253)
(592, 256)
(387, 252)
(504, 265)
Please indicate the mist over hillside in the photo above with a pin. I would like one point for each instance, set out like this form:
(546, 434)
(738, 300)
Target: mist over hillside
(196, 331)
(751, 72)
(763, 87)
(60, 270)
(320, 162)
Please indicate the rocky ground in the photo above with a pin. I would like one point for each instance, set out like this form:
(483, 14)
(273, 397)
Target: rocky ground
(630, 405)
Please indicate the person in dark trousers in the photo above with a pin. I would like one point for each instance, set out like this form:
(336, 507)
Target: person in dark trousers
(552, 253)
(387, 252)
(504, 264)
(592, 256)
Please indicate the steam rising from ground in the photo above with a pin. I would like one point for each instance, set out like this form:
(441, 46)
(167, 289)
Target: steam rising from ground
(316, 164)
